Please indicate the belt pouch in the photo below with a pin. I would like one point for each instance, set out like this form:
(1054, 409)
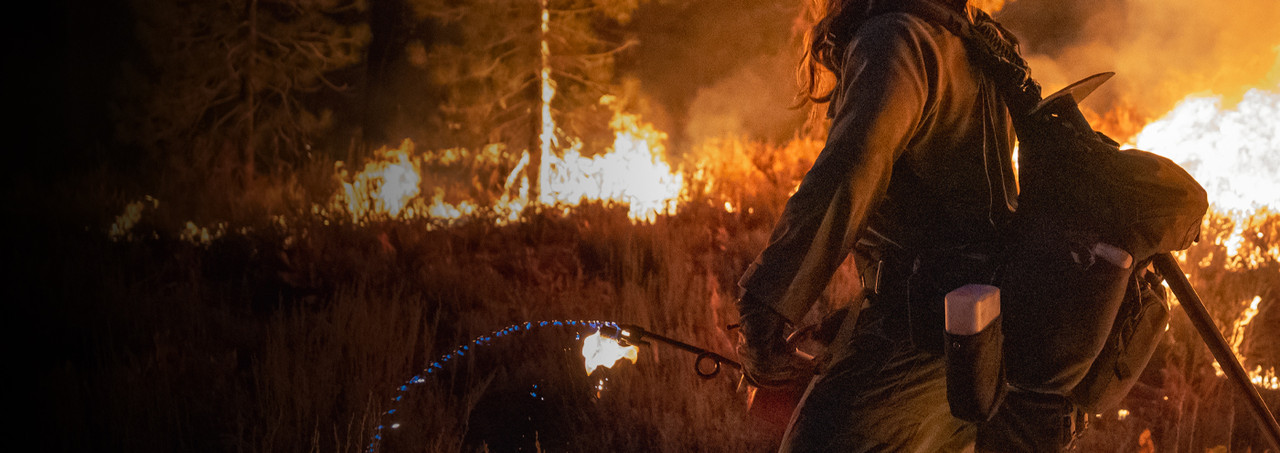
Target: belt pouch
(974, 353)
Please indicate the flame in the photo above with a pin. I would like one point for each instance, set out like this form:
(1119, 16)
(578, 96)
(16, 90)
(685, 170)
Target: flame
(199, 235)
(547, 132)
(990, 6)
(632, 172)
(743, 175)
(1235, 154)
(385, 186)
(1265, 378)
(390, 186)
(131, 216)
(601, 351)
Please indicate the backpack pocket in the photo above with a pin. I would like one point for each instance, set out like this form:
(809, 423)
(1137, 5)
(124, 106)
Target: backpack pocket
(1138, 330)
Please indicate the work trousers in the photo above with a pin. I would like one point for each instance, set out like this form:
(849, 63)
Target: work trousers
(882, 394)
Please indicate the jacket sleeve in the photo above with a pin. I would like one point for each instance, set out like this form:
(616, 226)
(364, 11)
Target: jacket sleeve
(884, 92)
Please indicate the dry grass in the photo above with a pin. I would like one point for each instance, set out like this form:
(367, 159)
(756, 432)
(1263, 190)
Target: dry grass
(295, 339)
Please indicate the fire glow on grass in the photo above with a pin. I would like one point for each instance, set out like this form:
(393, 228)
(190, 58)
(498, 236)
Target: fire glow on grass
(601, 351)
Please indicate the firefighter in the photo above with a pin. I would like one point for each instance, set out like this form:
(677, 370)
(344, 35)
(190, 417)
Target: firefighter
(916, 181)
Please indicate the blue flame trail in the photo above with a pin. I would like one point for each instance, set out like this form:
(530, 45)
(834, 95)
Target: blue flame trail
(480, 341)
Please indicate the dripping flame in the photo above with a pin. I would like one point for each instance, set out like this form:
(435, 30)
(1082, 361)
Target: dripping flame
(601, 351)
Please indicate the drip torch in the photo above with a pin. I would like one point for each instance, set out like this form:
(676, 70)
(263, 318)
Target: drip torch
(772, 405)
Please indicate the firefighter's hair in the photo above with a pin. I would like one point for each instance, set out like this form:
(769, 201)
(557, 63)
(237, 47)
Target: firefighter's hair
(824, 46)
(834, 23)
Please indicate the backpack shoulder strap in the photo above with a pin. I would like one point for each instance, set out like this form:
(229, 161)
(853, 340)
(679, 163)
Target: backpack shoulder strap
(991, 46)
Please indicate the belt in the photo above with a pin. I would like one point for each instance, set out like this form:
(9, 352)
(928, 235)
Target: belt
(879, 275)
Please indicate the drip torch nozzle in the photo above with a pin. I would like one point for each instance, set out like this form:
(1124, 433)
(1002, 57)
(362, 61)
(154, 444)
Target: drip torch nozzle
(626, 334)
(707, 363)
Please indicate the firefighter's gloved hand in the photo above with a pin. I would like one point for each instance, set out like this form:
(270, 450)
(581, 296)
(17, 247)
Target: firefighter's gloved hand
(767, 359)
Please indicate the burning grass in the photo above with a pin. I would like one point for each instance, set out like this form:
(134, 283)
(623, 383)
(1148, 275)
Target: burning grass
(296, 337)
(287, 317)
(199, 310)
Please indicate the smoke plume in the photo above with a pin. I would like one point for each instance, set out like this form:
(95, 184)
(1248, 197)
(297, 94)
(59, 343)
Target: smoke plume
(718, 67)
(726, 67)
(1161, 50)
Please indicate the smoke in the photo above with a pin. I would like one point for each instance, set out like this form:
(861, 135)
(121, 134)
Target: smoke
(1161, 50)
(751, 102)
(718, 67)
(726, 67)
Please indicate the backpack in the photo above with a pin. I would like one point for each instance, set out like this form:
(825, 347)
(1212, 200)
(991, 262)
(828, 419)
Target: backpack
(1082, 314)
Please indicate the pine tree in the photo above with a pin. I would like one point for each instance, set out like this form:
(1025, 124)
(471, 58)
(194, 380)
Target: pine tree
(226, 81)
(491, 61)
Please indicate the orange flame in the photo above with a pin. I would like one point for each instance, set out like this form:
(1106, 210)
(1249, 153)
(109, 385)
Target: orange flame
(632, 172)
(386, 185)
(1265, 378)
(1235, 154)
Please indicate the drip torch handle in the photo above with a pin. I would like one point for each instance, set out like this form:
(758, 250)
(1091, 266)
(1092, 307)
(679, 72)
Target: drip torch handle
(1168, 267)
(638, 335)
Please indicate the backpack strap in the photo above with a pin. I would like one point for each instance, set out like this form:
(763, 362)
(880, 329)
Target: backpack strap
(994, 50)
(990, 45)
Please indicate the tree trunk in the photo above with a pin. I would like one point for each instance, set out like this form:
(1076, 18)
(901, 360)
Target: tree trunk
(389, 29)
(246, 83)
(541, 144)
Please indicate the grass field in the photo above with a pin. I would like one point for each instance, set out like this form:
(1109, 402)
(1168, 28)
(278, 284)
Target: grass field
(294, 334)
